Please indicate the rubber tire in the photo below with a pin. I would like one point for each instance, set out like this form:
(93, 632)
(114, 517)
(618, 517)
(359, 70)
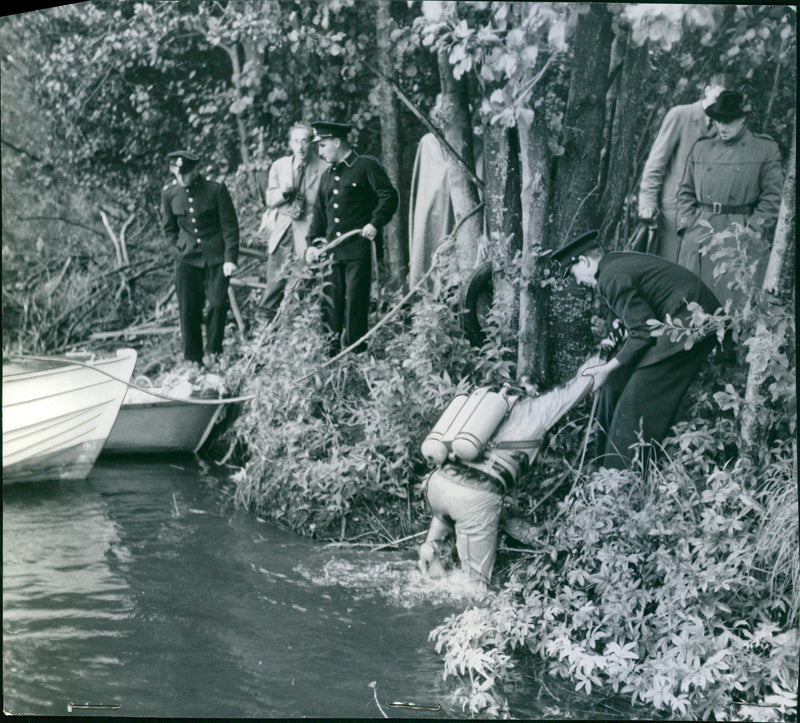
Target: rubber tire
(475, 295)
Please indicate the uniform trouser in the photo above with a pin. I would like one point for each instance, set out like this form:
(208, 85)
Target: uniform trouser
(277, 268)
(645, 399)
(345, 305)
(473, 513)
(194, 285)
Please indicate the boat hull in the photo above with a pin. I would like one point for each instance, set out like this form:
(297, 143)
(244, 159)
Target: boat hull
(57, 415)
(162, 426)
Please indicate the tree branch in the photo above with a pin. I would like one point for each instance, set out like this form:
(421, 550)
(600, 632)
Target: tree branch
(63, 220)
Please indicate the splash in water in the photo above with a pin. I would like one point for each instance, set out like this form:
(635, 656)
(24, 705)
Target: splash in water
(396, 580)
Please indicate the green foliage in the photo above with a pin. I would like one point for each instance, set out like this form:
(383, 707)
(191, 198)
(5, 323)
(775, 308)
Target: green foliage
(347, 440)
(680, 590)
(650, 588)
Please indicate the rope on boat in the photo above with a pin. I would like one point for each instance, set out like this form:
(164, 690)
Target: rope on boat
(132, 385)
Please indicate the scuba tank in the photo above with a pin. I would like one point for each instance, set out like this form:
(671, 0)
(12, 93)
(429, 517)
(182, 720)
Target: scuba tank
(481, 424)
(466, 425)
(435, 447)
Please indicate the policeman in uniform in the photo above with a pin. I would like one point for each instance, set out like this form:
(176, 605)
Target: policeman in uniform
(200, 224)
(354, 193)
(644, 383)
(732, 177)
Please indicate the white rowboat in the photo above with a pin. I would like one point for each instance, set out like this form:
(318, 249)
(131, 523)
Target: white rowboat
(58, 412)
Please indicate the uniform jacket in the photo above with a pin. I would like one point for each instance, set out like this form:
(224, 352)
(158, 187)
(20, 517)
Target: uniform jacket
(682, 126)
(353, 193)
(638, 287)
(200, 222)
(276, 220)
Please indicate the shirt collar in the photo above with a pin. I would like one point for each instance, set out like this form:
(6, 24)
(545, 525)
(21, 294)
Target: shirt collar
(349, 159)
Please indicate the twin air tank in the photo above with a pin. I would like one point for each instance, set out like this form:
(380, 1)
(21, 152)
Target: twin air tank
(467, 425)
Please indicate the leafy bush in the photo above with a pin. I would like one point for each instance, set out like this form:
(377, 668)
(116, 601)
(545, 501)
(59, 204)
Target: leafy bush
(652, 587)
(343, 445)
(679, 590)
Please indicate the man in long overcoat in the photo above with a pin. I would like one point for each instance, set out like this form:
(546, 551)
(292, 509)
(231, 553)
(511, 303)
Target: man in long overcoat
(644, 383)
(200, 224)
(682, 126)
(733, 177)
(291, 192)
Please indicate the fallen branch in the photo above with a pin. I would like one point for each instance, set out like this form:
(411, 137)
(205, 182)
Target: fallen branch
(125, 333)
(394, 543)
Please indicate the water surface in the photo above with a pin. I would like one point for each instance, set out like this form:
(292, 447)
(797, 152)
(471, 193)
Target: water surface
(143, 588)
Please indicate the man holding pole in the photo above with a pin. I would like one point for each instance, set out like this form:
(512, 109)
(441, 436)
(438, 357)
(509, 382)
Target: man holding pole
(355, 194)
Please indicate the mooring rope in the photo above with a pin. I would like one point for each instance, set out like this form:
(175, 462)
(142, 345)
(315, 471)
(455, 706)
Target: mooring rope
(444, 243)
(133, 385)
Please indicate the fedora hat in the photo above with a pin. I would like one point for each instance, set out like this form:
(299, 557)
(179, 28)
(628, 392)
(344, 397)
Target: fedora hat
(728, 106)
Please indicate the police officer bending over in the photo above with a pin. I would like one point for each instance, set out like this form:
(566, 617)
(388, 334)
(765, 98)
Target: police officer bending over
(200, 224)
(644, 383)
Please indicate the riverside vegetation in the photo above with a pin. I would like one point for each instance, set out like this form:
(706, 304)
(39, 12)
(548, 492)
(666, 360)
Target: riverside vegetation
(678, 590)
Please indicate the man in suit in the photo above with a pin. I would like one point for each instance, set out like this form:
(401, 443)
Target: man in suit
(644, 383)
(354, 193)
(733, 177)
(291, 192)
(200, 224)
(682, 126)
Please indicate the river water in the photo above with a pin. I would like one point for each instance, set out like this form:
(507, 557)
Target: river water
(143, 588)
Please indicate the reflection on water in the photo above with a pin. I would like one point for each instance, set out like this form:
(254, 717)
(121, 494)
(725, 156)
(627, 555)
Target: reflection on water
(142, 588)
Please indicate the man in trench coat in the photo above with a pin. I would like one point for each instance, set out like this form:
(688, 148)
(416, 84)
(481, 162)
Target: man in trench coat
(733, 177)
(644, 383)
(682, 126)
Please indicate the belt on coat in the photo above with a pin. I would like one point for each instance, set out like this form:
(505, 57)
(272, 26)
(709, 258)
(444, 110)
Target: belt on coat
(718, 208)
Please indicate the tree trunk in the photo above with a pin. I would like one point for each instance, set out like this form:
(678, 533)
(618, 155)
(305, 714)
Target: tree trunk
(536, 194)
(502, 194)
(236, 79)
(458, 133)
(751, 427)
(576, 191)
(396, 252)
(629, 116)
